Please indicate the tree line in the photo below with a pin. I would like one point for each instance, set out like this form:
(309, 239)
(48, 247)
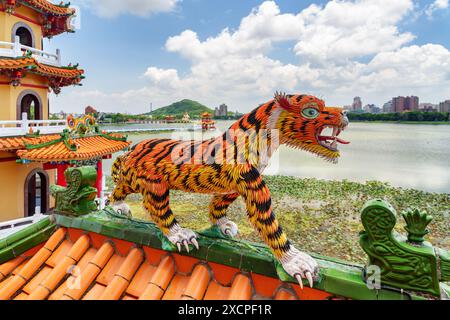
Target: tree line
(404, 116)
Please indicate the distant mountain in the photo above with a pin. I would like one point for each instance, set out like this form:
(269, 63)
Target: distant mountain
(177, 109)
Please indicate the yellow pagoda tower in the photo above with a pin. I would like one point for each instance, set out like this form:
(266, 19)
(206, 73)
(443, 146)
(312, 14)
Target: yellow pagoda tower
(207, 122)
(35, 151)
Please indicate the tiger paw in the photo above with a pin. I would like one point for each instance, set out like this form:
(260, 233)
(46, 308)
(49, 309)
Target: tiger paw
(181, 236)
(122, 208)
(227, 227)
(300, 265)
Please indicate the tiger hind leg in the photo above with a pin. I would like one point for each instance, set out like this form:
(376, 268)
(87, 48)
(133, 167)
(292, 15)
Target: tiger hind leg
(122, 187)
(218, 213)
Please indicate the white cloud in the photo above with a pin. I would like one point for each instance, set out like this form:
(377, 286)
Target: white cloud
(142, 8)
(343, 49)
(346, 30)
(340, 30)
(436, 5)
(163, 77)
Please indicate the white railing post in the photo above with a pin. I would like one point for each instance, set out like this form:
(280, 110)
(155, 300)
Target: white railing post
(24, 123)
(58, 56)
(17, 47)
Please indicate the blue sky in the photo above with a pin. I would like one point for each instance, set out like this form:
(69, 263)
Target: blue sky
(117, 46)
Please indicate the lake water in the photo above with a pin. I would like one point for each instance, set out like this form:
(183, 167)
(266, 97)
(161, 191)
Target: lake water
(405, 155)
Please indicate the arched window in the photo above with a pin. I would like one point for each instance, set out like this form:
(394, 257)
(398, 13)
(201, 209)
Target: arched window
(36, 196)
(25, 34)
(29, 102)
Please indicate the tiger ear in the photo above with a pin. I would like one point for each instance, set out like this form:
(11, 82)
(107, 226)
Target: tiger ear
(282, 100)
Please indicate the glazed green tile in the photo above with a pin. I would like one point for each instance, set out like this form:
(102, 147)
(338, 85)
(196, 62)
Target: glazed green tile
(25, 244)
(135, 236)
(6, 255)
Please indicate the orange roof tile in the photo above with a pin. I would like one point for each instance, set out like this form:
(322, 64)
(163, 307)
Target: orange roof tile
(48, 7)
(86, 148)
(14, 143)
(49, 281)
(26, 273)
(142, 273)
(9, 266)
(36, 67)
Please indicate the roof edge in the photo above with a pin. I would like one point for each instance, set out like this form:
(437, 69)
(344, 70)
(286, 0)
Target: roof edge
(336, 276)
(17, 243)
(49, 7)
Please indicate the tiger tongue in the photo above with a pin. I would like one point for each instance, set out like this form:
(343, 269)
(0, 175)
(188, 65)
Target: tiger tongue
(333, 138)
(342, 141)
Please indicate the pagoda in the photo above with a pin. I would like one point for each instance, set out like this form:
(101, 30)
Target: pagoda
(186, 117)
(206, 122)
(35, 151)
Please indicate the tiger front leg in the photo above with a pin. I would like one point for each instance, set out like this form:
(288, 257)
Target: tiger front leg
(156, 203)
(260, 213)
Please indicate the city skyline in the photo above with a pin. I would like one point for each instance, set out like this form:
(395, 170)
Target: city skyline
(398, 104)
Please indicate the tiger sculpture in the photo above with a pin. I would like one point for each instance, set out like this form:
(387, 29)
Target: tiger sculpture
(230, 166)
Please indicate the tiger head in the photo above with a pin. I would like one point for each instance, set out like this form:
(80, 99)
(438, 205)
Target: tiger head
(303, 121)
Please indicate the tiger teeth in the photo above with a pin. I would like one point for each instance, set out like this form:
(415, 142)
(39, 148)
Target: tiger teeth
(335, 131)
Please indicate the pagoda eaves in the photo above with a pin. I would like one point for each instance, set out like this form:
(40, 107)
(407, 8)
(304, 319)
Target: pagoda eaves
(54, 19)
(17, 68)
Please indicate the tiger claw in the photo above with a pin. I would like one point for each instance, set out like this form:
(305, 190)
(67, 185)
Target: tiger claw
(227, 227)
(298, 265)
(186, 245)
(121, 208)
(299, 279)
(309, 277)
(195, 243)
(182, 237)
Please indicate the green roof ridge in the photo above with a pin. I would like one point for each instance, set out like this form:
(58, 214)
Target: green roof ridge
(24, 233)
(24, 240)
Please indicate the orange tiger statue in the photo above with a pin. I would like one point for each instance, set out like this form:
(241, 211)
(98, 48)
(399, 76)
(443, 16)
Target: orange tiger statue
(230, 166)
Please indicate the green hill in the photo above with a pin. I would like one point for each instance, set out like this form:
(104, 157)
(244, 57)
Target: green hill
(177, 109)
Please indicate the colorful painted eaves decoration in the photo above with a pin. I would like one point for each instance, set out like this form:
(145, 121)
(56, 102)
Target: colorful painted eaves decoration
(84, 141)
(54, 18)
(112, 257)
(17, 68)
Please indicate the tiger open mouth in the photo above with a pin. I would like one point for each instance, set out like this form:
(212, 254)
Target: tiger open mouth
(330, 140)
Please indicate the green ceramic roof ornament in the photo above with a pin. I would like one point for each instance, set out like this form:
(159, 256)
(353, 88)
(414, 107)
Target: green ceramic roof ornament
(78, 198)
(416, 224)
(405, 263)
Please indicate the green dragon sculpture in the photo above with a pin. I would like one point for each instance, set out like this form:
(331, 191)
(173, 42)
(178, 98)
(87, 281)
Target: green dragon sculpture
(78, 198)
(404, 262)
